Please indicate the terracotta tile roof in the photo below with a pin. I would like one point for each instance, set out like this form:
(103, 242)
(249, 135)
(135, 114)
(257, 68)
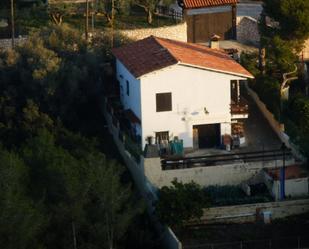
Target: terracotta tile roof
(193, 4)
(152, 53)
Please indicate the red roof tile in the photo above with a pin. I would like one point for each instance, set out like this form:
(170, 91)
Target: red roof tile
(152, 53)
(193, 4)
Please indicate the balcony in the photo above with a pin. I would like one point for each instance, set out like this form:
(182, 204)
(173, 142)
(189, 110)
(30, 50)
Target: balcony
(239, 109)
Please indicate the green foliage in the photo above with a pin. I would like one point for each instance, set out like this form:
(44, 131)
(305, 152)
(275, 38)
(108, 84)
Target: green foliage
(280, 56)
(298, 109)
(20, 220)
(56, 186)
(58, 9)
(268, 89)
(180, 203)
(297, 121)
(150, 5)
(250, 62)
(105, 7)
(234, 195)
(292, 15)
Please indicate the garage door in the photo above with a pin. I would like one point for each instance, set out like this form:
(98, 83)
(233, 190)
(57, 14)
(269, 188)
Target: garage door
(208, 135)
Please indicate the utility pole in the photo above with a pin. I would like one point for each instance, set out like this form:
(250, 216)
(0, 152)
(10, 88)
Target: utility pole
(87, 21)
(282, 173)
(113, 18)
(12, 23)
(92, 17)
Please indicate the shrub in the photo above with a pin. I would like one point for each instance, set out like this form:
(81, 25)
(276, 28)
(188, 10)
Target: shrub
(180, 203)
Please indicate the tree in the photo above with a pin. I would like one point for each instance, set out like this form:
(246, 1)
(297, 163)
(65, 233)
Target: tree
(109, 8)
(20, 220)
(110, 198)
(284, 34)
(292, 16)
(150, 6)
(180, 203)
(58, 9)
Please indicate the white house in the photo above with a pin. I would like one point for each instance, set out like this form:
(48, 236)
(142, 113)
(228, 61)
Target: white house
(176, 89)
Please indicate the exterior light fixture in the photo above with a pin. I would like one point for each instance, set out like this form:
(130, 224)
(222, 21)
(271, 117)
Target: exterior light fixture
(206, 111)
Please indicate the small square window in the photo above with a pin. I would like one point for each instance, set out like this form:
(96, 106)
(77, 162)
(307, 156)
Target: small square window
(163, 102)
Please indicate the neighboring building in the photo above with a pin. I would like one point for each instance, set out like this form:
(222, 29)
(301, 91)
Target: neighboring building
(296, 182)
(205, 18)
(174, 89)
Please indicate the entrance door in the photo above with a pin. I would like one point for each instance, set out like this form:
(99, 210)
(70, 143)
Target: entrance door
(208, 135)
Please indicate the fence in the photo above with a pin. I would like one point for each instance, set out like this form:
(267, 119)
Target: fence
(211, 160)
(278, 243)
(166, 11)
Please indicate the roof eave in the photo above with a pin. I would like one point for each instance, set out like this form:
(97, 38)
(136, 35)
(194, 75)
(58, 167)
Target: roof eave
(249, 76)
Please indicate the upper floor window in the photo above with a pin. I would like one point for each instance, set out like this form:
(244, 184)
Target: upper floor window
(128, 88)
(164, 102)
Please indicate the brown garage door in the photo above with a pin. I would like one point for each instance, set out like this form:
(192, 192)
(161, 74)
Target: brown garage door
(201, 27)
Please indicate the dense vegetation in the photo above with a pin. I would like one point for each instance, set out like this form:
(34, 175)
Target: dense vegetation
(180, 203)
(58, 190)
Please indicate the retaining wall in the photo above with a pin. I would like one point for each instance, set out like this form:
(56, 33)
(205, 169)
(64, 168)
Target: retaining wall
(277, 127)
(228, 174)
(174, 32)
(253, 212)
(7, 43)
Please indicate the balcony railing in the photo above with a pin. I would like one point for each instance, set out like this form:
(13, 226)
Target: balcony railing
(239, 108)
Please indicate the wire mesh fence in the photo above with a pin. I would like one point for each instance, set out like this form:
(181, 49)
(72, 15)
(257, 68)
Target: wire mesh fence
(296, 242)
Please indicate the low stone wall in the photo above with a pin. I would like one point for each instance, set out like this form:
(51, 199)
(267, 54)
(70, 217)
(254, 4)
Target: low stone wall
(275, 125)
(247, 30)
(7, 43)
(228, 174)
(175, 32)
(253, 212)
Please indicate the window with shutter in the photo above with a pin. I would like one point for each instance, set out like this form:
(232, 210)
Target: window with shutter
(164, 102)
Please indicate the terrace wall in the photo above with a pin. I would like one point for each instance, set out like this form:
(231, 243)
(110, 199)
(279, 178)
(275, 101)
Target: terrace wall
(174, 32)
(253, 212)
(228, 174)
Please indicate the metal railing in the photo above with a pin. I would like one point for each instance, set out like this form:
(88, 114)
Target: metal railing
(169, 12)
(240, 107)
(212, 160)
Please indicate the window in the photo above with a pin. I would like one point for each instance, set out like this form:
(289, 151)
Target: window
(128, 88)
(164, 102)
(162, 137)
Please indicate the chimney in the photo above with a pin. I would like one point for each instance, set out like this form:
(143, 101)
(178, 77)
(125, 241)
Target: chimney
(214, 42)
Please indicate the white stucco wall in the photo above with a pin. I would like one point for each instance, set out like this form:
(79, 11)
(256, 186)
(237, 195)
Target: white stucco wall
(192, 90)
(293, 188)
(133, 101)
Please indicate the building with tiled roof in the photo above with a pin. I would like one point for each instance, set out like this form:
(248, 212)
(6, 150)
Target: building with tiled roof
(193, 4)
(153, 53)
(178, 89)
(205, 18)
